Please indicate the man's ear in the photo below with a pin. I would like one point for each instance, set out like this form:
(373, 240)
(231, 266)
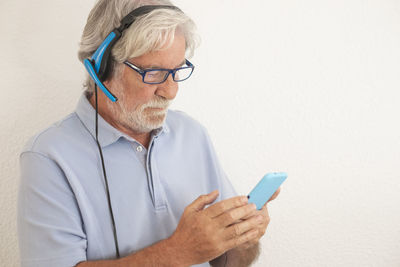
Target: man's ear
(108, 84)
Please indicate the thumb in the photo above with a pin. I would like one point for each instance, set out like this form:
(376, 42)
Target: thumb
(204, 200)
(275, 195)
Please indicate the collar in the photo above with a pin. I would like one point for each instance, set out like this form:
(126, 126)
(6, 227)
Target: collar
(107, 133)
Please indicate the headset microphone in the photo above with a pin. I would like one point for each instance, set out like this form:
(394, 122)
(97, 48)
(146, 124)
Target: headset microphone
(92, 73)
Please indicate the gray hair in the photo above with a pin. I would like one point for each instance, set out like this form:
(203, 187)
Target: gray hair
(150, 32)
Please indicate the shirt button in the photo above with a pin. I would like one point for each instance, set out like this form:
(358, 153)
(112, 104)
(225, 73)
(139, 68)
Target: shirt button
(139, 149)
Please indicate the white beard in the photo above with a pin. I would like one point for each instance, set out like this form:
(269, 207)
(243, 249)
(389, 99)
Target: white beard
(143, 119)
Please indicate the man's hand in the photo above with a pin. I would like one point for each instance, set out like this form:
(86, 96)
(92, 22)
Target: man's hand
(262, 226)
(204, 234)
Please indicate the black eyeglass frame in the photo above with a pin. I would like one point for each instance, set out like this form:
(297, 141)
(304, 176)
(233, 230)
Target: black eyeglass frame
(143, 72)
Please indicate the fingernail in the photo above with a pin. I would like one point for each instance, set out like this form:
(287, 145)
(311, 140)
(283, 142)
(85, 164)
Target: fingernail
(259, 218)
(244, 199)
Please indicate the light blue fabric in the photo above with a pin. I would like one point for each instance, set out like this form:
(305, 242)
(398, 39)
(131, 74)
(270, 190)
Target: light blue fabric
(63, 215)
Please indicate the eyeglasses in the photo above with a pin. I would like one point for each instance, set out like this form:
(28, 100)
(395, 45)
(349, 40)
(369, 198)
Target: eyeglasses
(157, 76)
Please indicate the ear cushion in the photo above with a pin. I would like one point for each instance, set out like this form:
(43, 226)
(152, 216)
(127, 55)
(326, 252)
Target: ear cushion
(108, 67)
(102, 54)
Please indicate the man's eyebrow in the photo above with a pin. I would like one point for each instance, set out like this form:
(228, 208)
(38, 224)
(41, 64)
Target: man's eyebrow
(183, 63)
(158, 67)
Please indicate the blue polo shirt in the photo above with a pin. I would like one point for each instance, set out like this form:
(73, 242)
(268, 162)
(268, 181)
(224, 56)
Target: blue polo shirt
(63, 215)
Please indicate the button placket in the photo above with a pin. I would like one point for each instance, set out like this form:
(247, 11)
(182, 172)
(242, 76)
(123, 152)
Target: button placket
(155, 188)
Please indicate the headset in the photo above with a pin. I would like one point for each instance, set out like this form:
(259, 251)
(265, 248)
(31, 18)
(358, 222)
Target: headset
(99, 68)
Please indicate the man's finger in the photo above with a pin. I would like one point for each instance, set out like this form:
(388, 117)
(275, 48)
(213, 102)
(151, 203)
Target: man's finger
(249, 235)
(265, 214)
(252, 214)
(238, 229)
(233, 215)
(275, 195)
(203, 200)
(225, 205)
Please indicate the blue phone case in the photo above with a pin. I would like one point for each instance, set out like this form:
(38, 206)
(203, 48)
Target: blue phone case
(266, 188)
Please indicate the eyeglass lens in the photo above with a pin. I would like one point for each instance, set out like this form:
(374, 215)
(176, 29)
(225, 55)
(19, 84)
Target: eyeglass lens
(157, 76)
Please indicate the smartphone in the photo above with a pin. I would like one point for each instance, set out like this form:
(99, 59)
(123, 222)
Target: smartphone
(266, 188)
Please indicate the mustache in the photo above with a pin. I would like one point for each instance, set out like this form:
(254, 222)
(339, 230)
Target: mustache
(158, 102)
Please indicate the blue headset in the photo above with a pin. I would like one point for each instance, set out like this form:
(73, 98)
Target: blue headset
(99, 65)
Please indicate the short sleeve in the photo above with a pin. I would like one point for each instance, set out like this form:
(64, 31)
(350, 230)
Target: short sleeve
(226, 188)
(50, 228)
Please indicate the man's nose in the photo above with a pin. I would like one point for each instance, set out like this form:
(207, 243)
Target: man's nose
(168, 89)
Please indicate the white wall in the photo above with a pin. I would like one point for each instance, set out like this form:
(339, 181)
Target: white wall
(309, 87)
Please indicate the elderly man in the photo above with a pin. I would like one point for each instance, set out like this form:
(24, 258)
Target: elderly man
(123, 181)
